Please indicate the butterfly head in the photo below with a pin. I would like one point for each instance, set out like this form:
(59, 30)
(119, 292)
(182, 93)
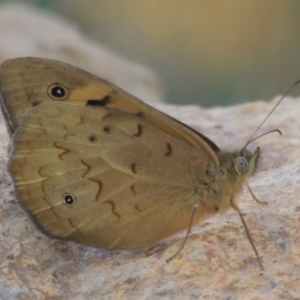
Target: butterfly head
(246, 163)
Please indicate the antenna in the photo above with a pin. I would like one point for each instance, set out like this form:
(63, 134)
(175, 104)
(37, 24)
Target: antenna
(253, 139)
(267, 117)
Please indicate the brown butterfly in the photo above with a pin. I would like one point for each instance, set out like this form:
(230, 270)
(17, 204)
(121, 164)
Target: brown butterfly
(110, 171)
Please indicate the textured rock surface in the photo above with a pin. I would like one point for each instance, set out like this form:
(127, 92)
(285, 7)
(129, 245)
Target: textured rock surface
(217, 262)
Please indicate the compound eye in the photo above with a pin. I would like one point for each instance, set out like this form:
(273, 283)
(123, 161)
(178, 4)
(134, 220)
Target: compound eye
(241, 165)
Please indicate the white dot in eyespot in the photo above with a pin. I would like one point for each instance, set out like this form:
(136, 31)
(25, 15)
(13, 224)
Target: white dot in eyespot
(242, 165)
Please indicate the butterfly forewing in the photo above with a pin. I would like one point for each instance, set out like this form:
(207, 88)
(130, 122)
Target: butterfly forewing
(27, 82)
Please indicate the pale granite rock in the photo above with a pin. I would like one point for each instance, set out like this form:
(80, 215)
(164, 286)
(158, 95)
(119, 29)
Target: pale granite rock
(217, 262)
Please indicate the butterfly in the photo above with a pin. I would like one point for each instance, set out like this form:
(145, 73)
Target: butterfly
(93, 164)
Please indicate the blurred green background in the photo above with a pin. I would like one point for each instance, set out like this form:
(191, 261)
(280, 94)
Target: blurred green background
(206, 52)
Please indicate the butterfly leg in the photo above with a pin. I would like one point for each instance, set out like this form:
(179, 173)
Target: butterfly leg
(186, 236)
(236, 208)
(254, 197)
